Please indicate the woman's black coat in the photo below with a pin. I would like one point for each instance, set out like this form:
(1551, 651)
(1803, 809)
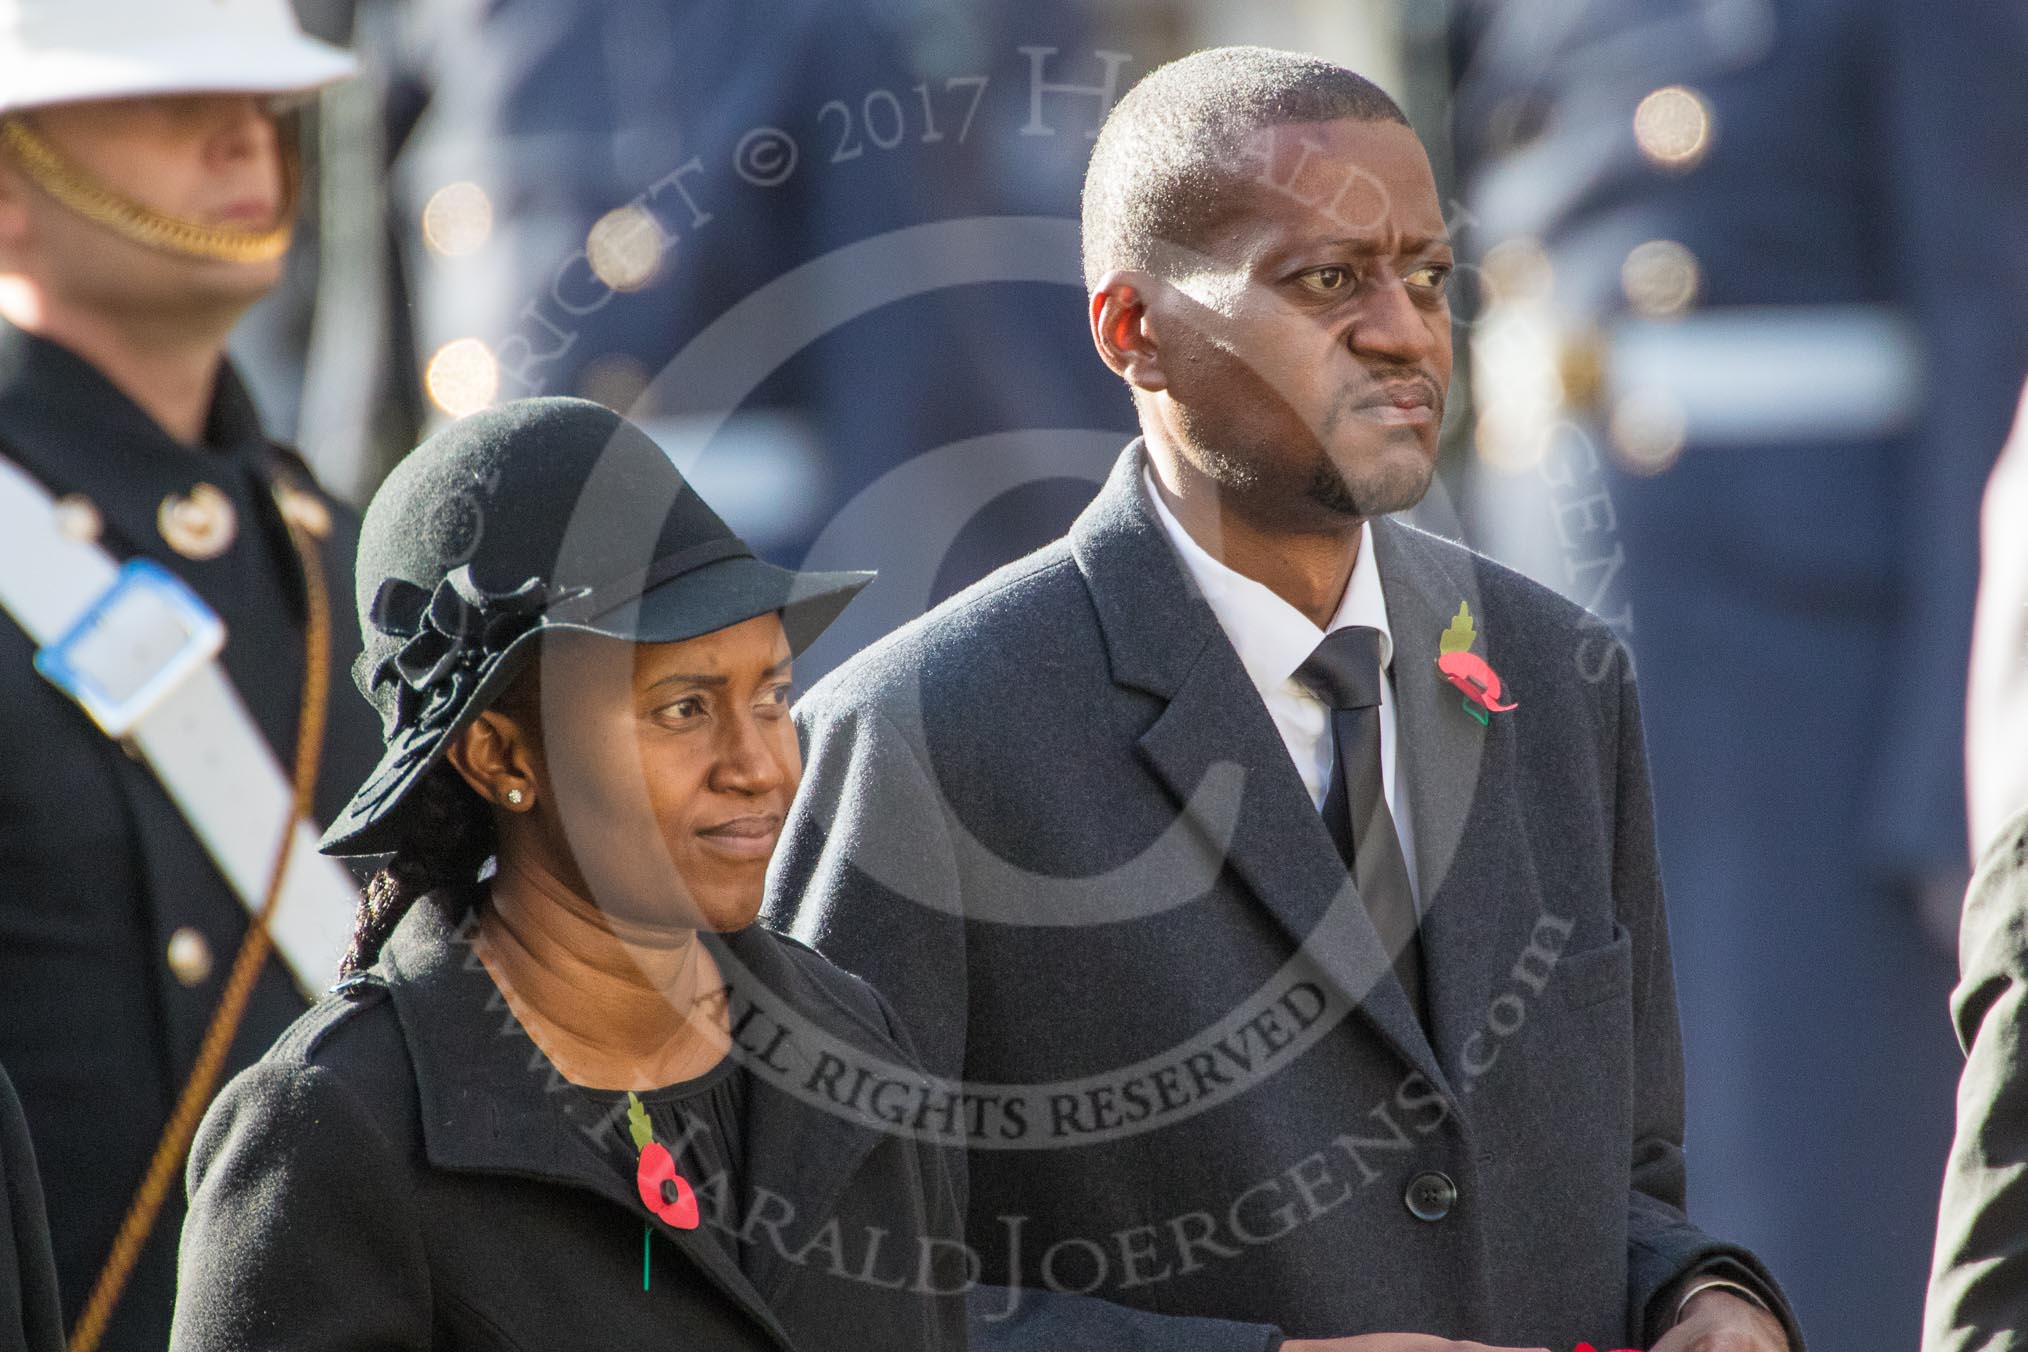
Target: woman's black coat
(406, 1170)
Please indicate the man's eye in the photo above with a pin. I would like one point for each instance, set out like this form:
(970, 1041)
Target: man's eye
(1326, 281)
(777, 697)
(1430, 277)
(684, 708)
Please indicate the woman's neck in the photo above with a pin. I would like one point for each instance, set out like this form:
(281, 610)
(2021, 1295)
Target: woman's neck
(613, 1004)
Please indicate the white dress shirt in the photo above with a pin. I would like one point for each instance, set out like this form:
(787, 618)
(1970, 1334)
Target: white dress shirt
(1273, 639)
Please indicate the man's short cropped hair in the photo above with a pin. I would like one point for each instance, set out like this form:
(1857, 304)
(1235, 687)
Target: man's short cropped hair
(1164, 160)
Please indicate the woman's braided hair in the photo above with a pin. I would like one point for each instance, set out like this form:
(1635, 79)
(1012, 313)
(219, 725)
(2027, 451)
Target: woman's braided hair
(449, 838)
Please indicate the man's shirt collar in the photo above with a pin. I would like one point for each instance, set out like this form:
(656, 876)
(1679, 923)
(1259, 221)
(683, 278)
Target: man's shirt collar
(1271, 636)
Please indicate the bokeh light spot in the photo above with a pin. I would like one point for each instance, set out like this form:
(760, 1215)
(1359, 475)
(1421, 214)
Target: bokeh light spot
(1517, 269)
(1672, 126)
(1660, 279)
(1648, 430)
(625, 248)
(615, 380)
(457, 219)
(462, 377)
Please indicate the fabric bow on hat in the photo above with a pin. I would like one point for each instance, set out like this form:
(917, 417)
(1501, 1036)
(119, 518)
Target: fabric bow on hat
(492, 500)
(451, 632)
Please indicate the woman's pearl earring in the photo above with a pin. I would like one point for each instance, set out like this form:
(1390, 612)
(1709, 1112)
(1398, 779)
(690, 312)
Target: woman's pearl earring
(515, 796)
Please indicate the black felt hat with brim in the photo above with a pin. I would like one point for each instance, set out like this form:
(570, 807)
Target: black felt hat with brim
(537, 516)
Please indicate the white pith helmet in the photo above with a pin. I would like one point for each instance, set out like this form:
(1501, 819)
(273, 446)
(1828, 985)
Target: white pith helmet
(71, 51)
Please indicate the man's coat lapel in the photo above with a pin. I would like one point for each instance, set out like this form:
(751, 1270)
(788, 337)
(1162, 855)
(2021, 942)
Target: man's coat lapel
(1473, 863)
(1162, 638)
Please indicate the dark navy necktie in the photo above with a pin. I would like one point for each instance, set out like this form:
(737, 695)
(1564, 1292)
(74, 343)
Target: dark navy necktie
(1345, 673)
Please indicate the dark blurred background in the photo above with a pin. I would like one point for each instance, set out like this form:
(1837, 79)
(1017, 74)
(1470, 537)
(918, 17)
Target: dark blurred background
(1748, 320)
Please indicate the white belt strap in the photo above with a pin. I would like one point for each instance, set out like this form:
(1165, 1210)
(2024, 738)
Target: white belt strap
(199, 740)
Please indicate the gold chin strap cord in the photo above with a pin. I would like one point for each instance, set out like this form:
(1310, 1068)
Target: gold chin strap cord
(77, 190)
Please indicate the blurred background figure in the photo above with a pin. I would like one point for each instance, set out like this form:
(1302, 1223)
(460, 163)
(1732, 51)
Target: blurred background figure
(527, 198)
(1756, 316)
(574, 194)
(1996, 733)
(1978, 1291)
(147, 192)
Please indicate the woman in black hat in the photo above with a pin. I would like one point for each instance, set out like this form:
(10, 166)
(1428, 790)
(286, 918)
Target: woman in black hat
(567, 1093)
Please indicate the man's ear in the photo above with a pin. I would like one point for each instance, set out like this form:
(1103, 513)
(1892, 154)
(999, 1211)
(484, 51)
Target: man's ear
(494, 756)
(1124, 332)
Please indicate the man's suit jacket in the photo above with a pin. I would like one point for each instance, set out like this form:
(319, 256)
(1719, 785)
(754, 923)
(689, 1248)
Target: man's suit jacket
(1053, 823)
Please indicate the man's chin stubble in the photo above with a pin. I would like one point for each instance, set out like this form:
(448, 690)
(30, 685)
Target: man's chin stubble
(1385, 490)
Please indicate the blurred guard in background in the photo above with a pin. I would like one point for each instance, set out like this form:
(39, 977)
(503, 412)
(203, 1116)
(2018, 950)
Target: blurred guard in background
(572, 203)
(1777, 244)
(1996, 732)
(163, 572)
(1978, 1288)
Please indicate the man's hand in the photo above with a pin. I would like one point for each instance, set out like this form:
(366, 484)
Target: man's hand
(1718, 1321)
(1396, 1342)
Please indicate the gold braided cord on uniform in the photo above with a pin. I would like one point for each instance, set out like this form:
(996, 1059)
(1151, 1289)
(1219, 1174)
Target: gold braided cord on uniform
(166, 1165)
(77, 190)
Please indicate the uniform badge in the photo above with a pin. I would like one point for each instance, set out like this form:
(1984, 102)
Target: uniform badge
(1468, 671)
(78, 518)
(303, 509)
(189, 956)
(199, 525)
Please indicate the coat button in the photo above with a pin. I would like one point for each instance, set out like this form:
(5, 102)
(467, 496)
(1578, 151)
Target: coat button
(1430, 1196)
(189, 956)
(78, 518)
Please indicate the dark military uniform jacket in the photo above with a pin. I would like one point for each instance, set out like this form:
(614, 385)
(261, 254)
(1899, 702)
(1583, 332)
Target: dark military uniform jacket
(28, 1315)
(101, 881)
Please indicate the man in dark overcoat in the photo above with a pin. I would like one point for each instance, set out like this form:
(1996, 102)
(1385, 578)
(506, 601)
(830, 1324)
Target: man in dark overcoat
(1273, 884)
